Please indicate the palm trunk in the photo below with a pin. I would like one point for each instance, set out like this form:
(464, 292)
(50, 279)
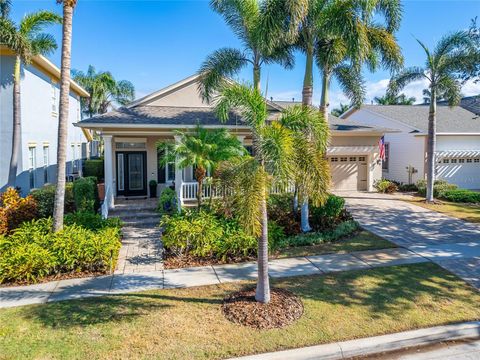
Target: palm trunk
(307, 92)
(17, 123)
(324, 98)
(200, 176)
(432, 124)
(256, 77)
(262, 293)
(63, 117)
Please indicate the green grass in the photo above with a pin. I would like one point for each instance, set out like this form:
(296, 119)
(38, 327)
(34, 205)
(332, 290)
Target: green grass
(188, 323)
(363, 240)
(467, 212)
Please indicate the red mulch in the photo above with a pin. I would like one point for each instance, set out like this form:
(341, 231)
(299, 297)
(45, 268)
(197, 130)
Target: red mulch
(283, 309)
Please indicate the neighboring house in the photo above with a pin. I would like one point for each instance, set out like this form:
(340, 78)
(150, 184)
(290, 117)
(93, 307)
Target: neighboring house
(458, 142)
(40, 95)
(130, 135)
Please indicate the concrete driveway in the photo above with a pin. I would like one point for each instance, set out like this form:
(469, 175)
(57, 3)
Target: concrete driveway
(452, 243)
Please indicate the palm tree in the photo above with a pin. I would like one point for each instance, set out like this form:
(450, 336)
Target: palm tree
(68, 6)
(264, 27)
(5, 6)
(391, 99)
(204, 150)
(342, 108)
(443, 69)
(349, 37)
(104, 90)
(26, 40)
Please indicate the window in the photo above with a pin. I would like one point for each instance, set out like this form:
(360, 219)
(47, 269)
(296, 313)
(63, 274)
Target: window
(54, 99)
(170, 169)
(454, 161)
(361, 158)
(387, 157)
(130, 145)
(32, 164)
(334, 159)
(343, 159)
(353, 158)
(469, 160)
(249, 149)
(46, 163)
(74, 159)
(446, 161)
(476, 160)
(461, 161)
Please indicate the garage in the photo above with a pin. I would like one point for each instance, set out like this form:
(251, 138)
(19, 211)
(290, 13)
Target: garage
(461, 171)
(349, 172)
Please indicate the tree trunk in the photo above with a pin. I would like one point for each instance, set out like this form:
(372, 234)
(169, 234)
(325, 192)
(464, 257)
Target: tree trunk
(307, 92)
(17, 123)
(63, 117)
(324, 97)
(431, 144)
(256, 77)
(262, 293)
(200, 176)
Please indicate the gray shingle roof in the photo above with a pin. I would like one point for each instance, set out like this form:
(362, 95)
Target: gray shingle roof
(449, 120)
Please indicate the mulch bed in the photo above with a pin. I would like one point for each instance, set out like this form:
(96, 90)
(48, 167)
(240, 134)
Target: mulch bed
(55, 277)
(173, 261)
(283, 309)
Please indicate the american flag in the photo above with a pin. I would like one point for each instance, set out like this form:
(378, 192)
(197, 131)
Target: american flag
(381, 148)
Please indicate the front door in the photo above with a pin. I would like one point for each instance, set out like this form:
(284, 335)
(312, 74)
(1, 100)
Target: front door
(132, 173)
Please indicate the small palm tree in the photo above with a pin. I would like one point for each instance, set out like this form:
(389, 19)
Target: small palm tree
(443, 69)
(26, 40)
(204, 150)
(342, 108)
(104, 90)
(391, 99)
(349, 37)
(58, 209)
(264, 27)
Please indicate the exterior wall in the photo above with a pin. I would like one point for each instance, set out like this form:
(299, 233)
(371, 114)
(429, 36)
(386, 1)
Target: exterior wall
(406, 149)
(39, 125)
(187, 96)
(455, 142)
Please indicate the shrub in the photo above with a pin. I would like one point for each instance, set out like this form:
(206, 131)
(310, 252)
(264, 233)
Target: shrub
(462, 196)
(329, 214)
(280, 210)
(385, 186)
(276, 236)
(84, 190)
(407, 187)
(91, 221)
(15, 210)
(45, 198)
(33, 250)
(343, 229)
(439, 188)
(94, 168)
(167, 203)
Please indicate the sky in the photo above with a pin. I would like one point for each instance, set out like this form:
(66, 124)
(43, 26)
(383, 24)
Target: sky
(155, 43)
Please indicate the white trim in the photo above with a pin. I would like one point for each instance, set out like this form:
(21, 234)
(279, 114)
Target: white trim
(130, 140)
(350, 150)
(158, 126)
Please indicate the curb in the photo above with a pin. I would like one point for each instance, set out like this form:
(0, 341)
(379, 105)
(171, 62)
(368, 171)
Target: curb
(377, 344)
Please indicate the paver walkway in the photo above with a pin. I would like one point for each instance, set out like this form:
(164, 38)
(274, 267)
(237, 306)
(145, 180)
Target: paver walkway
(452, 243)
(206, 275)
(141, 249)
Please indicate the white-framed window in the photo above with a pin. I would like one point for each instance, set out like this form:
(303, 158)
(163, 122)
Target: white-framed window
(454, 161)
(334, 159)
(446, 161)
(32, 165)
(54, 98)
(461, 161)
(46, 162)
(469, 160)
(387, 157)
(353, 158)
(362, 158)
(476, 160)
(74, 158)
(343, 159)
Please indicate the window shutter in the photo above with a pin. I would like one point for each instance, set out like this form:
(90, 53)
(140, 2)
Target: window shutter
(160, 168)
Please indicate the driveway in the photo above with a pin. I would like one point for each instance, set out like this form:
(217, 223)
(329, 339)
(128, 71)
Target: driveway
(452, 243)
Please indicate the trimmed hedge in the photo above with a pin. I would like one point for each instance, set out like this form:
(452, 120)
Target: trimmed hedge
(94, 167)
(45, 198)
(85, 193)
(34, 251)
(462, 196)
(439, 188)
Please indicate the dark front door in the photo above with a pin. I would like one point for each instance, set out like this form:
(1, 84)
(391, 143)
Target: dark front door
(132, 173)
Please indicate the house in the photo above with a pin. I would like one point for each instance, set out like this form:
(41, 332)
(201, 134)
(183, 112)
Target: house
(40, 95)
(458, 141)
(130, 135)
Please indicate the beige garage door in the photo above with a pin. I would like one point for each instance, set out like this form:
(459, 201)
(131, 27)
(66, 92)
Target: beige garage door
(349, 172)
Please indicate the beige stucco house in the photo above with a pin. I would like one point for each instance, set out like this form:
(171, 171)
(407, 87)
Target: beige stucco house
(130, 135)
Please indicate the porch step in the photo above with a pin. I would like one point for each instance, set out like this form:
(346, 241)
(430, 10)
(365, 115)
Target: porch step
(133, 207)
(129, 214)
(142, 221)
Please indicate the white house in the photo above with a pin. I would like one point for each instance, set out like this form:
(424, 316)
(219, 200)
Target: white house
(40, 95)
(458, 142)
(130, 135)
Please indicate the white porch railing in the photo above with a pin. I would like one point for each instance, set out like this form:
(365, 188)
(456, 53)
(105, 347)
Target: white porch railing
(107, 202)
(189, 191)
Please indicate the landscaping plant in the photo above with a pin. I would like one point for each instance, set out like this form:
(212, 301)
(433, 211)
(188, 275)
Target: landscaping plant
(385, 186)
(167, 203)
(45, 199)
(15, 210)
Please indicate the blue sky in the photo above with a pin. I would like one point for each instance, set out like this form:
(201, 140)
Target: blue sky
(155, 43)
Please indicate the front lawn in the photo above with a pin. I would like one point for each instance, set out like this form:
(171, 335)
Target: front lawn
(188, 323)
(360, 241)
(467, 212)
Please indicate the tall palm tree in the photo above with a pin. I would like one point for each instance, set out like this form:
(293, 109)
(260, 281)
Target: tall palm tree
(338, 111)
(452, 55)
(104, 90)
(26, 40)
(264, 27)
(204, 150)
(68, 6)
(391, 99)
(5, 6)
(349, 36)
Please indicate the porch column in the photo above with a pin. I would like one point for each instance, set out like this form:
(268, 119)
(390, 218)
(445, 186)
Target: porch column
(108, 166)
(178, 180)
(371, 163)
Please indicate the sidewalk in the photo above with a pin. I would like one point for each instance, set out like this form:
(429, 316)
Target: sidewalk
(197, 276)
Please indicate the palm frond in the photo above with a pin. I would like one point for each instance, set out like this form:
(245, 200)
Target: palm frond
(450, 88)
(220, 65)
(5, 7)
(392, 11)
(385, 45)
(448, 43)
(124, 92)
(33, 23)
(43, 44)
(352, 83)
(404, 77)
